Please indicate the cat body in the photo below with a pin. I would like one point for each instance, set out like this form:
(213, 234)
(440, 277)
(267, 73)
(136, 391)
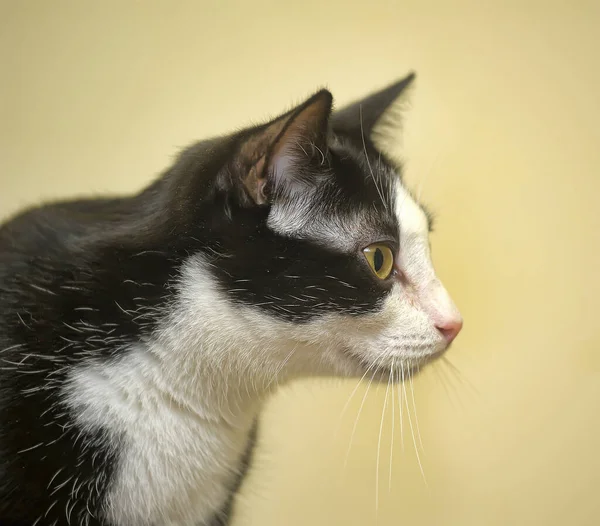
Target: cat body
(139, 336)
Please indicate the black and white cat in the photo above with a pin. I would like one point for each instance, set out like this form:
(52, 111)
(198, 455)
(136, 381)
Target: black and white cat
(140, 335)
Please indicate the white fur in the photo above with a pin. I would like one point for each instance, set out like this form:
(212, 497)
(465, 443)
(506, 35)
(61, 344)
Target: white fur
(182, 404)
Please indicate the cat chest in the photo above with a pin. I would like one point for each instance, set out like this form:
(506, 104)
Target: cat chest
(174, 466)
(175, 474)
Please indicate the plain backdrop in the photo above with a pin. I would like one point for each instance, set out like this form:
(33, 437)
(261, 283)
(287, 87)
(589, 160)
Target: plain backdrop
(501, 139)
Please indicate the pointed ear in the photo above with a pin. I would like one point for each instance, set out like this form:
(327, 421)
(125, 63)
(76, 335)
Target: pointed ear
(276, 151)
(359, 119)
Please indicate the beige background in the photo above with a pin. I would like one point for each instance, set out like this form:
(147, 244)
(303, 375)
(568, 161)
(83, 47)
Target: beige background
(503, 137)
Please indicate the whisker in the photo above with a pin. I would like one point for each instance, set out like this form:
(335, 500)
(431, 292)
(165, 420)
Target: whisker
(358, 384)
(362, 133)
(412, 432)
(412, 391)
(401, 409)
(441, 377)
(460, 376)
(358, 416)
(392, 375)
(387, 390)
(456, 384)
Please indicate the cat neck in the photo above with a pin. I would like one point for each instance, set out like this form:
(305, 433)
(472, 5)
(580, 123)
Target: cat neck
(214, 357)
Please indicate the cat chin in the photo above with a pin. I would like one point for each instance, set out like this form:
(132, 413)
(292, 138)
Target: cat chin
(394, 370)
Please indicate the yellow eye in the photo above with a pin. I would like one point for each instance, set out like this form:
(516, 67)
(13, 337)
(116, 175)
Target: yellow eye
(381, 260)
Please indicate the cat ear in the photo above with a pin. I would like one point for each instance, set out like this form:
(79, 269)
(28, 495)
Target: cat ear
(277, 150)
(359, 119)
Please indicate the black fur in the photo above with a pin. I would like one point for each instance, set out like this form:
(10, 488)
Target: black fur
(82, 280)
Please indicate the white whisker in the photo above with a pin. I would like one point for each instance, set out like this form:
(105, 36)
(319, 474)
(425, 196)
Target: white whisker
(387, 390)
(412, 432)
(392, 375)
(362, 133)
(358, 384)
(358, 416)
(401, 409)
(412, 392)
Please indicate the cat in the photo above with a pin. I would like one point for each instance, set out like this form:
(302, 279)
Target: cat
(140, 335)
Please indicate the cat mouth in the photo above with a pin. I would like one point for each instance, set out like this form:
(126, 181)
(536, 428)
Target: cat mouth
(392, 369)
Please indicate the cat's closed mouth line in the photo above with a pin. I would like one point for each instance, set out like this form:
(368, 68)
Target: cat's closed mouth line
(395, 369)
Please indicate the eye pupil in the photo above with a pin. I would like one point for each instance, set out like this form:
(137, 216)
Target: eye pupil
(378, 259)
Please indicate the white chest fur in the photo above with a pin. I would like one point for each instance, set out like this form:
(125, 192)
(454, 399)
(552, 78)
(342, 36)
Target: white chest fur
(177, 461)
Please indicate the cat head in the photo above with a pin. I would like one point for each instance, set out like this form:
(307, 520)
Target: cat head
(317, 252)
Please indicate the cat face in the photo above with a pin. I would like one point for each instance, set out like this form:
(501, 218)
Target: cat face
(325, 251)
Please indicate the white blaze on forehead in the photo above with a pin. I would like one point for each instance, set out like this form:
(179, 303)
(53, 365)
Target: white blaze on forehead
(413, 220)
(414, 258)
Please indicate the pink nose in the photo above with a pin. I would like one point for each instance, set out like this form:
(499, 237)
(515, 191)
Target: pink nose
(450, 328)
